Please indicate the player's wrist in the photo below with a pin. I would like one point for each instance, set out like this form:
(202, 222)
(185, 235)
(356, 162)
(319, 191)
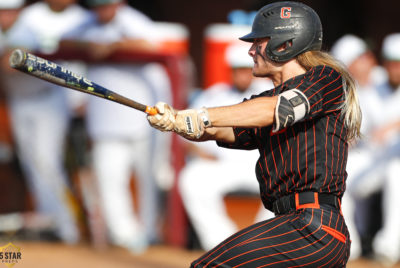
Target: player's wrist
(204, 117)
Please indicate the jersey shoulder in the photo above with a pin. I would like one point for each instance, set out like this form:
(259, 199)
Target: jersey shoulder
(322, 70)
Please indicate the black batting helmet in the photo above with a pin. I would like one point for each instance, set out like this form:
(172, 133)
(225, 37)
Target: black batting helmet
(293, 23)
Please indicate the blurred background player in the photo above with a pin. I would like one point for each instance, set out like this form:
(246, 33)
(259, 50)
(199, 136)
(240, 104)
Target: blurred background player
(122, 141)
(361, 62)
(374, 164)
(40, 115)
(227, 171)
(386, 243)
(9, 13)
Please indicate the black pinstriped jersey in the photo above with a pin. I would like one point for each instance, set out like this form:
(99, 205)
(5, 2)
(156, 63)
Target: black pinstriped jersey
(311, 154)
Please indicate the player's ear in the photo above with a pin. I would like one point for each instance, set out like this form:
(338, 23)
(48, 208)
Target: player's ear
(285, 45)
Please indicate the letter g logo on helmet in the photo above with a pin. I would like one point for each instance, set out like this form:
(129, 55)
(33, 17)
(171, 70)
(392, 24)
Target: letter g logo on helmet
(286, 12)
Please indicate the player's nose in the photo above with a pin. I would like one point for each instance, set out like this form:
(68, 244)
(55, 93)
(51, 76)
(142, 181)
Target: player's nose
(252, 51)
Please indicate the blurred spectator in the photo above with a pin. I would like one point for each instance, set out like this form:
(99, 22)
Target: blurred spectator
(39, 113)
(374, 164)
(386, 244)
(122, 139)
(9, 13)
(362, 64)
(204, 204)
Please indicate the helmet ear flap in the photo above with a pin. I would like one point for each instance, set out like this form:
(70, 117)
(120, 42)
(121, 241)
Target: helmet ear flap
(278, 51)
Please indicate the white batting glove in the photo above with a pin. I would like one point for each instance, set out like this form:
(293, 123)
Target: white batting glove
(191, 123)
(165, 119)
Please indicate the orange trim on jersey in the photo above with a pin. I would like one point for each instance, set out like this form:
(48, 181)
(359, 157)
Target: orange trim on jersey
(308, 205)
(335, 233)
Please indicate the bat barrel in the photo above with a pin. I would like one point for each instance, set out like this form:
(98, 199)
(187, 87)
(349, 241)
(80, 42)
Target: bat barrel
(17, 58)
(59, 75)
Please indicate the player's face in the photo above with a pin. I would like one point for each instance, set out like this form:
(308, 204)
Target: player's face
(361, 67)
(8, 17)
(242, 78)
(263, 66)
(106, 13)
(393, 71)
(60, 5)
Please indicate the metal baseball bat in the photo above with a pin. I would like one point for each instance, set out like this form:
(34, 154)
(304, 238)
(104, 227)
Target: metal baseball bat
(56, 74)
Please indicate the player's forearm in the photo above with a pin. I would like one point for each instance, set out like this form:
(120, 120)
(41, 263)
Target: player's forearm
(257, 112)
(138, 45)
(253, 113)
(73, 44)
(222, 134)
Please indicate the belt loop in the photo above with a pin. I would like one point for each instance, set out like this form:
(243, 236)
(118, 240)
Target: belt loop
(315, 204)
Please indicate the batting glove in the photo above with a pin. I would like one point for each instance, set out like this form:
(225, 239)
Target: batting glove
(164, 120)
(191, 123)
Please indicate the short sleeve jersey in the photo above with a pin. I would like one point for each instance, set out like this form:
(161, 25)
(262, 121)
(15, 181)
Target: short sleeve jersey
(310, 155)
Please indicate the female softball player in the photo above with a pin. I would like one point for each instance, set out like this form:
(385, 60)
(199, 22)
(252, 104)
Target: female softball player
(301, 129)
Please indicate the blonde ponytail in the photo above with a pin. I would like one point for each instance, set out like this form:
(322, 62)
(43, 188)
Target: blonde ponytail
(351, 108)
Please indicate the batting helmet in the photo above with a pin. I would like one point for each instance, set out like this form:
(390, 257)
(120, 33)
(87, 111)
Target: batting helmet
(291, 23)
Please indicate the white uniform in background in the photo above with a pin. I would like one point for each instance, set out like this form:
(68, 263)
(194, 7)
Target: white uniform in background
(229, 172)
(386, 243)
(378, 170)
(373, 167)
(348, 49)
(122, 138)
(39, 116)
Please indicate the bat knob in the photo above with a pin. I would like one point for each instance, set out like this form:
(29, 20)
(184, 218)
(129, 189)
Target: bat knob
(151, 110)
(17, 58)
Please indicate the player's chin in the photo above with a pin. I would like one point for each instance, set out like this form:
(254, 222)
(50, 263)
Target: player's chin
(261, 70)
(257, 73)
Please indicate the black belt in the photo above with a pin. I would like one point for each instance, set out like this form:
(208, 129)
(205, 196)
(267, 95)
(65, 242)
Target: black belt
(302, 200)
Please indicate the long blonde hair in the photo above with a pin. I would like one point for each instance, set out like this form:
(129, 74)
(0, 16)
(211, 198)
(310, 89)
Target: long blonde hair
(351, 108)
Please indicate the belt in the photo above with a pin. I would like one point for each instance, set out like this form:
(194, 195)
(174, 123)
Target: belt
(292, 202)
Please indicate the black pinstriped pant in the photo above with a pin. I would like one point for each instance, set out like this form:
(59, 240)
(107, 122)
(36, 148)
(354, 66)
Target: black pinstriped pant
(303, 238)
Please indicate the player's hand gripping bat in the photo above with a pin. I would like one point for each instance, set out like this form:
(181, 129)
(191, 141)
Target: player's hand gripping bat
(54, 73)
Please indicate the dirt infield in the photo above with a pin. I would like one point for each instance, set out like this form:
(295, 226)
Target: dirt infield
(55, 255)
